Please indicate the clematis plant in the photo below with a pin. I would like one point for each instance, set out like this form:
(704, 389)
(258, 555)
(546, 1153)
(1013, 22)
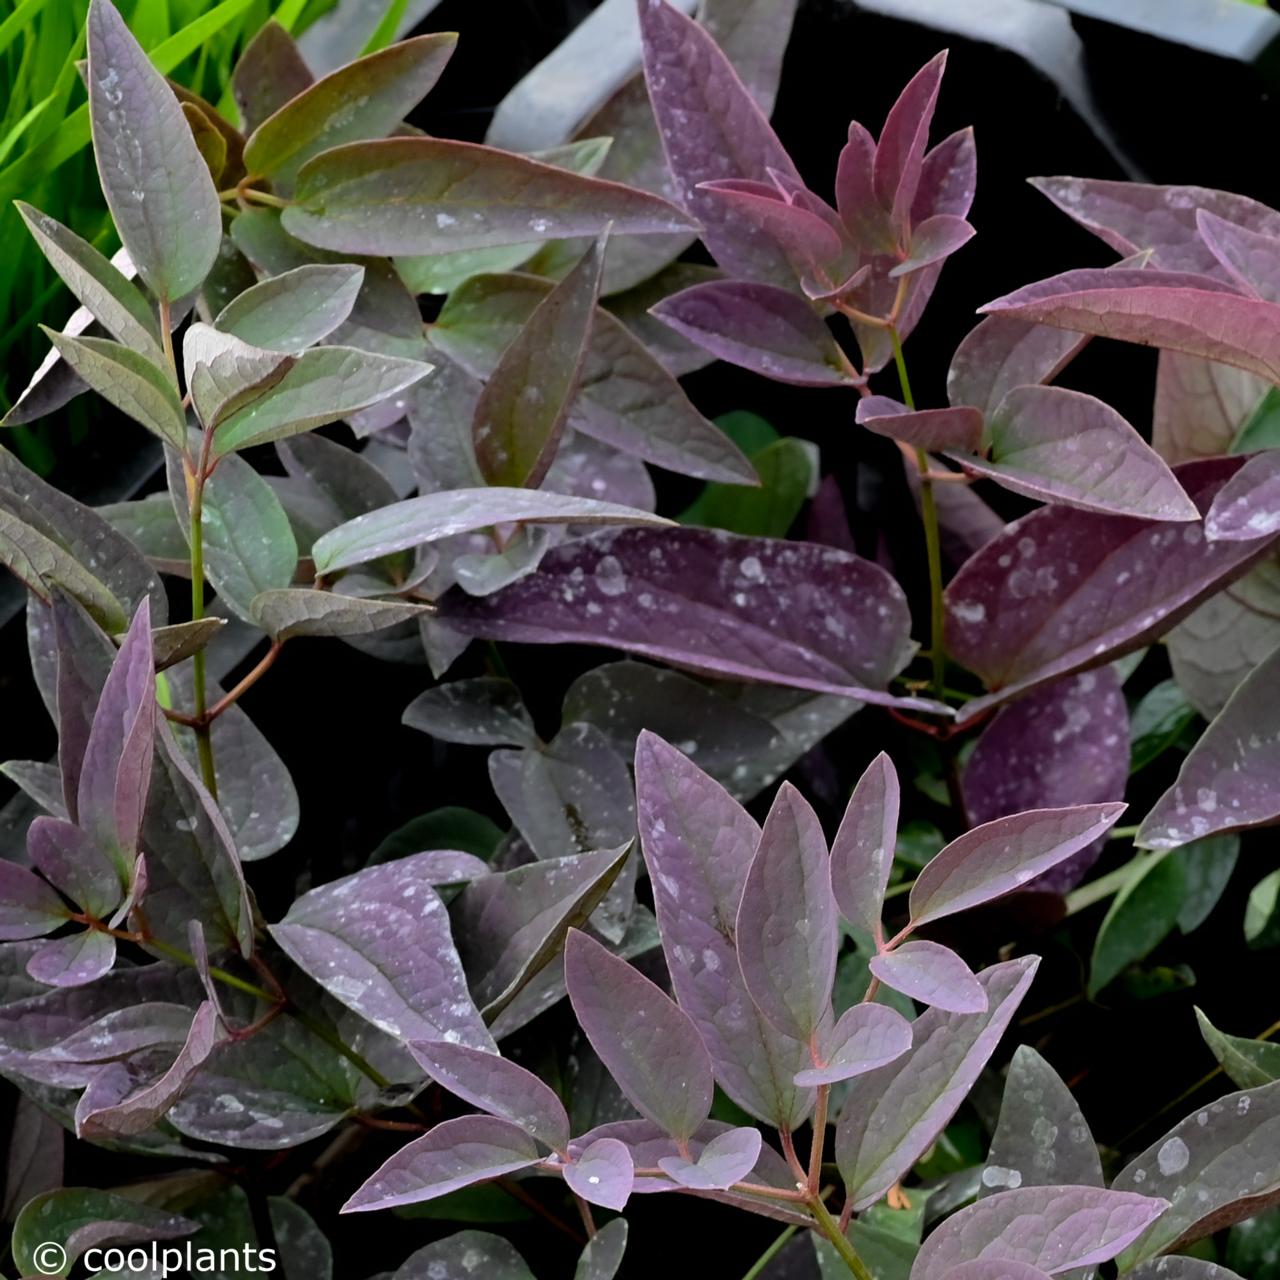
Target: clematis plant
(408, 392)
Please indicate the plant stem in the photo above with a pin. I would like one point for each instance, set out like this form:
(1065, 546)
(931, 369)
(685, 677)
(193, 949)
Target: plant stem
(932, 537)
(1106, 886)
(819, 1136)
(770, 1253)
(831, 1229)
(204, 739)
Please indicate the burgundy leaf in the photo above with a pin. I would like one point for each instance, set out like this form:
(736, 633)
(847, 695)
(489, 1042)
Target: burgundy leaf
(787, 931)
(811, 244)
(1229, 780)
(932, 974)
(861, 212)
(453, 1155)
(744, 608)
(866, 1036)
(933, 241)
(862, 853)
(29, 908)
(497, 1086)
(602, 1174)
(900, 152)
(698, 845)
(711, 129)
(761, 327)
(1248, 505)
(722, 1162)
(928, 429)
(1001, 856)
(1250, 258)
(70, 860)
(74, 960)
(649, 1044)
(1002, 353)
(1064, 446)
(1066, 743)
(895, 1113)
(1042, 600)
(1054, 1228)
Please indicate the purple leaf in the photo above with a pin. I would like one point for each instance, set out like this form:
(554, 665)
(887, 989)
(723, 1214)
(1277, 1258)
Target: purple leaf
(497, 1086)
(1001, 856)
(1180, 1267)
(932, 974)
(1055, 1228)
(746, 608)
(123, 1033)
(1228, 781)
(933, 241)
(861, 212)
(1002, 353)
(434, 516)
(379, 941)
(454, 1154)
(432, 195)
(1250, 258)
(895, 1113)
(649, 1044)
(463, 1256)
(74, 960)
(761, 327)
(723, 1161)
(269, 73)
(810, 242)
(1200, 406)
(900, 151)
(862, 853)
(711, 129)
(84, 658)
(1222, 1158)
(510, 925)
(1041, 1139)
(602, 1257)
(521, 414)
(866, 1036)
(1063, 446)
(34, 1161)
(482, 711)
(70, 860)
(116, 771)
(786, 930)
(1066, 743)
(698, 844)
(29, 908)
(993, 1269)
(1248, 505)
(928, 429)
(1041, 600)
(603, 1174)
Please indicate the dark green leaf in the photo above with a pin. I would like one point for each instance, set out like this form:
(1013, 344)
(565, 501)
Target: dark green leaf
(1143, 914)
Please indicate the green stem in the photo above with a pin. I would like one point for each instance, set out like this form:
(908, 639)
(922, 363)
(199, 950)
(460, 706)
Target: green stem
(1106, 886)
(770, 1253)
(202, 729)
(932, 537)
(831, 1229)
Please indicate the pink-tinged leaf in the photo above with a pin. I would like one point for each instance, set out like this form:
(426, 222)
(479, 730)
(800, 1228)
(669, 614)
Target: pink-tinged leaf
(1230, 779)
(928, 429)
(866, 219)
(649, 1044)
(895, 1113)
(1132, 216)
(453, 1155)
(522, 411)
(949, 178)
(1066, 743)
(744, 608)
(1042, 600)
(722, 1162)
(497, 1086)
(865, 1037)
(995, 1269)
(603, 1174)
(379, 941)
(70, 860)
(1055, 1228)
(809, 242)
(698, 843)
(434, 516)
(711, 129)
(29, 908)
(900, 151)
(1002, 353)
(787, 931)
(1200, 406)
(932, 974)
(1198, 318)
(1180, 1267)
(1217, 1166)
(1248, 505)
(269, 72)
(862, 852)
(761, 327)
(123, 1033)
(1007, 854)
(75, 960)
(155, 181)
(1063, 446)
(933, 241)
(431, 195)
(1250, 258)
(138, 1109)
(116, 771)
